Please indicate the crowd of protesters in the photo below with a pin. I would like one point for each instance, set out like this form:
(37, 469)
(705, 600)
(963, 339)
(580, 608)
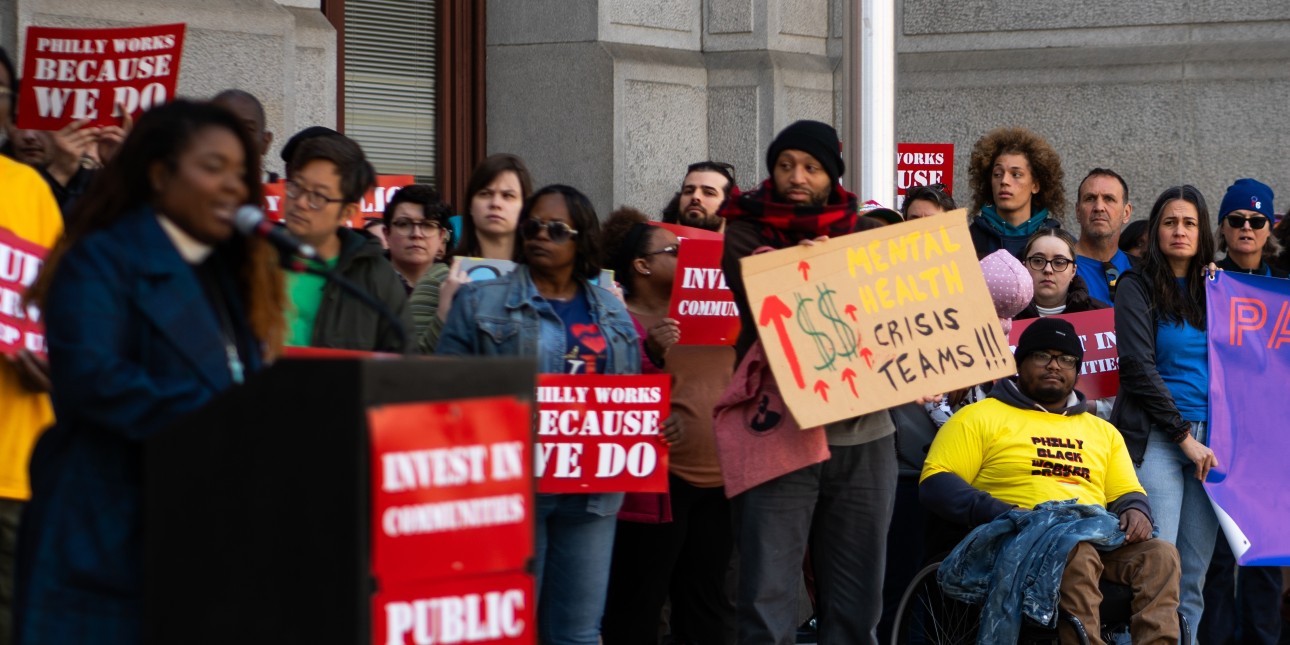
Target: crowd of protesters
(153, 304)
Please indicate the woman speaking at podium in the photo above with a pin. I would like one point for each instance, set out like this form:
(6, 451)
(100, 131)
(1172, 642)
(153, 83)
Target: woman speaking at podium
(152, 307)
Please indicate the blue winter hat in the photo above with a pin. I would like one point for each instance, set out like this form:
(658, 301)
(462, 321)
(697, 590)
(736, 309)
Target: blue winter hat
(1249, 195)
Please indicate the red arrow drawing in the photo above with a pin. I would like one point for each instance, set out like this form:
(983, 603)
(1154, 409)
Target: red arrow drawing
(849, 375)
(822, 389)
(867, 355)
(804, 267)
(774, 311)
(850, 311)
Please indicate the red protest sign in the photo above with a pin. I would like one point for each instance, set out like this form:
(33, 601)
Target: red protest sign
(690, 232)
(600, 434)
(1099, 377)
(701, 301)
(71, 74)
(482, 609)
(923, 164)
(20, 326)
(274, 194)
(452, 488)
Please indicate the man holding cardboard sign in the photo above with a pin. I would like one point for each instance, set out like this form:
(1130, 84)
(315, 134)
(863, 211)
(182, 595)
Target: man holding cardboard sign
(843, 505)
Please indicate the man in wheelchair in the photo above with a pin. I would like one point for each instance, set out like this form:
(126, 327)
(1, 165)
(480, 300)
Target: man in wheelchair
(1033, 441)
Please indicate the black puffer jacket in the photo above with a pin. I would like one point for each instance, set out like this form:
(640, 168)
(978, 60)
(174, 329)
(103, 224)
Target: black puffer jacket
(343, 321)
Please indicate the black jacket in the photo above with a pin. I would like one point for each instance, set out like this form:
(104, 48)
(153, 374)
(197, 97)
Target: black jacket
(1227, 264)
(987, 240)
(1144, 400)
(343, 321)
(1077, 300)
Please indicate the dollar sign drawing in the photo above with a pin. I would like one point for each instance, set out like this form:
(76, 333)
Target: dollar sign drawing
(827, 354)
(841, 329)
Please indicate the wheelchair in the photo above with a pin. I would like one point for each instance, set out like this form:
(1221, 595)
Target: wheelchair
(926, 616)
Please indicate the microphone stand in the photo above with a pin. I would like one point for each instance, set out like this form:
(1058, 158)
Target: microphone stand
(354, 290)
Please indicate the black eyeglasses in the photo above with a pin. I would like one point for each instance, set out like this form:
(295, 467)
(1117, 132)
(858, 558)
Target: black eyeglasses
(671, 250)
(1257, 222)
(405, 226)
(313, 198)
(1044, 358)
(558, 231)
(1038, 262)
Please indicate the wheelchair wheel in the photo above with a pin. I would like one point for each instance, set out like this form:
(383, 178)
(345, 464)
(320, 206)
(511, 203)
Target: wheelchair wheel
(926, 616)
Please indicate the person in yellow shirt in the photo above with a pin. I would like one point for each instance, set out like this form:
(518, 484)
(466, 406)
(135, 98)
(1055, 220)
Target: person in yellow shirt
(28, 210)
(1034, 440)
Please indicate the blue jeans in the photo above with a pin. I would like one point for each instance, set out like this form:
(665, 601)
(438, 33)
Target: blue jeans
(1174, 492)
(575, 540)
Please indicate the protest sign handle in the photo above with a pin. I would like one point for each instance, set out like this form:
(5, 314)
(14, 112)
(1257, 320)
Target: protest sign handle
(366, 298)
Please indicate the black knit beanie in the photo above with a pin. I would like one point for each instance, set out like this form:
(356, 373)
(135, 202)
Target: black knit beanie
(1049, 333)
(817, 139)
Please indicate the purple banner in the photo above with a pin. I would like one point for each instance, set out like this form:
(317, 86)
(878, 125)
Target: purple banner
(1249, 369)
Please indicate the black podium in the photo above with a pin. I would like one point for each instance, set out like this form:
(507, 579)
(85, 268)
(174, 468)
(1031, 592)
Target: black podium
(257, 508)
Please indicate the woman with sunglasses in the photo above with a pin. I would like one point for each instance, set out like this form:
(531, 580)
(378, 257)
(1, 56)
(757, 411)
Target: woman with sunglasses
(677, 544)
(1163, 402)
(497, 189)
(547, 309)
(1244, 224)
(925, 201)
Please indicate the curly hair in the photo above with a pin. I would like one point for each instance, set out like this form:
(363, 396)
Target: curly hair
(1045, 167)
(623, 242)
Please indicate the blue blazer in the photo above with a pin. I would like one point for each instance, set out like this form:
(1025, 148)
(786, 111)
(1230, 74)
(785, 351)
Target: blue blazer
(134, 345)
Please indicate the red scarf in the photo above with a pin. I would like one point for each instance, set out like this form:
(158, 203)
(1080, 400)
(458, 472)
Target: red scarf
(789, 224)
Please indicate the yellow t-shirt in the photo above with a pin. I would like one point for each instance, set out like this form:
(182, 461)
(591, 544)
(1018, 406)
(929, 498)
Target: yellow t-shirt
(1025, 457)
(28, 209)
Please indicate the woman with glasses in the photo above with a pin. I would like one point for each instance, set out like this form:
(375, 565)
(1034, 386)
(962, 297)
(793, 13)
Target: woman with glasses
(1163, 402)
(547, 309)
(1245, 228)
(925, 201)
(675, 545)
(1050, 257)
(417, 231)
(497, 188)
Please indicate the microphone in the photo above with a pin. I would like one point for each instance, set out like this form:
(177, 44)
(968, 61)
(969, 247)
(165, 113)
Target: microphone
(250, 221)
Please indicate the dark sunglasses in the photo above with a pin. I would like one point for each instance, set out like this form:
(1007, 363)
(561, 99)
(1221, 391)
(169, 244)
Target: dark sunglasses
(558, 231)
(1256, 223)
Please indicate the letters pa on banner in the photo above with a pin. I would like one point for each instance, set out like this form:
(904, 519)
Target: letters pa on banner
(20, 326)
(73, 74)
(602, 434)
(452, 488)
(870, 320)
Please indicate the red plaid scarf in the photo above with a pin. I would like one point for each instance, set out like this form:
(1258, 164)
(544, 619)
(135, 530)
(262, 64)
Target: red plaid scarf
(788, 224)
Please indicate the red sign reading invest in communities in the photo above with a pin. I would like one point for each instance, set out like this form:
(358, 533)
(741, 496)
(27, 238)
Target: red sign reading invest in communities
(20, 326)
(600, 434)
(701, 301)
(452, 486)
(1100, 375)
(71, 74)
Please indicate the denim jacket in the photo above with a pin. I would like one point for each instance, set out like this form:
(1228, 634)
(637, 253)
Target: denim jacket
(508, 317)
(1017, 561)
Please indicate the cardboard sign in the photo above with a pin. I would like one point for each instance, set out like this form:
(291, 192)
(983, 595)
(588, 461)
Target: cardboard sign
(871, 320)
(20, 326)
(71, 74)
(600, 434)
(452, 488)
(1099, 377)
(483, 609)
(701, 301)
(923, 164)
(371, 205)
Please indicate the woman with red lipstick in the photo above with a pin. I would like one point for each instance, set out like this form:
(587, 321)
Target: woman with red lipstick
(1016, 182)
(152, 306)
(1163, 402)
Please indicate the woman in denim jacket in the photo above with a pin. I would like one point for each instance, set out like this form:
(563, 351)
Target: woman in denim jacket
(546, 309)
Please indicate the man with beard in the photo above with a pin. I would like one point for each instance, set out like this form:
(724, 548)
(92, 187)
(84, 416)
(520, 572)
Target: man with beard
(1032, 441)
(1102, 210)
(706, 187)
(841, 507)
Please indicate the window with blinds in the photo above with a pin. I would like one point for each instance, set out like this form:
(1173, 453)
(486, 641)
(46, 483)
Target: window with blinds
(390, 84)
